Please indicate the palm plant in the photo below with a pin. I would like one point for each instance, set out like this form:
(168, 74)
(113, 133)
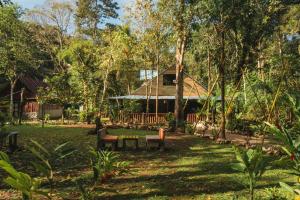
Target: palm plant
(252, 163)
(106, 164)
(46, 158)
(19, 180)
(291, 147)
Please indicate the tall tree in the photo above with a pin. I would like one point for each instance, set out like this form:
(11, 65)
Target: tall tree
(154, 37)
(180, 14)
(90, 14)
(4, 2)
(14, 36)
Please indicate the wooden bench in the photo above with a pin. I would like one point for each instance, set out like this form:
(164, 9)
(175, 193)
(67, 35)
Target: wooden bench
(103, 139)
(159, 139)
(12, 141)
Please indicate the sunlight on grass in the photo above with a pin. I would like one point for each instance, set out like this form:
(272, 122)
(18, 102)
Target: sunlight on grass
(196, 170)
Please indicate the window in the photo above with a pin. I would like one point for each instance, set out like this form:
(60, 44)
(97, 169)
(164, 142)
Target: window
(169, 79)
(147, 74)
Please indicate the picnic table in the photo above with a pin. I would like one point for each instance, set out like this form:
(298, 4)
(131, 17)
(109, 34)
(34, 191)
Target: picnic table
(126, 138)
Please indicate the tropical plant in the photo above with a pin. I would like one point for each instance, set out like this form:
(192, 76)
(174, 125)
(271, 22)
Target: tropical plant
(20, 181)
(274, 194)
(252, 163)
(292, 148)
(106, 164)
(85, 193)
(189, 129)
(46, 158)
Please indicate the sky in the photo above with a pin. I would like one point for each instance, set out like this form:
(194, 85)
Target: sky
(32, 3)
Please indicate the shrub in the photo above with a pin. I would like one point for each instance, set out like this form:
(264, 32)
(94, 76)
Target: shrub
(171, 121)
(189, 129)
(291, 147)
(82, 116)
(274, 194)
(252, 163)
(106, 164)
(45, 158)
(85, 193)
(19, 180)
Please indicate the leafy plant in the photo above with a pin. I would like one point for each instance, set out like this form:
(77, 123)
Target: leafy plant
(252, 163)
(106, 164)
(46, 158)
(292, 148)
(274, 194)
(214, 133)
(82, 116)
(86, 194)
(19, 180)
(189, 129)
(47, 118)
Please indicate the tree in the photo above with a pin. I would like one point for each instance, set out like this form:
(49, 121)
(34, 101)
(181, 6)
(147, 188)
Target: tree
(4, 2)
(81, 57)
(180, 16)
(14, 35)
(92, 13)
(51, 23)
(154, 40)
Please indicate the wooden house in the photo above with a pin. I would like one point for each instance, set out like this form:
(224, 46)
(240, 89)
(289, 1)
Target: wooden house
(30, 108)
(193, 91)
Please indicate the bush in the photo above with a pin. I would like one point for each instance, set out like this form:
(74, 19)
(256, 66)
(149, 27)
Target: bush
(189, 129)
(106, 164)
(171, 121)
(19, 180)
(252, 163)
(82, 116)
(132, 106)
(274, 194)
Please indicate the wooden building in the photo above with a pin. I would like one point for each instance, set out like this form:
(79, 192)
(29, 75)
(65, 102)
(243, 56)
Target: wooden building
(30, 108)
(193, 91)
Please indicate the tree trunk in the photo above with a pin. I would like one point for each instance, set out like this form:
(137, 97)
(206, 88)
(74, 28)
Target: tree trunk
(157, 89)
(147, 93)
(104, 89)
(43, 114)
(11, 105)
(208, 84)
(179, 81)
(222, 135)
(85, 107)
(21, 105)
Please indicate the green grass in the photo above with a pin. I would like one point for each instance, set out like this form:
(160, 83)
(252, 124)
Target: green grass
(190, 168)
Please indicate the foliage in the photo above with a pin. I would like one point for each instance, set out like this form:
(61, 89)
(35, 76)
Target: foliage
(91, 13)
(3, 119)
(252, 163)
(214, 133)
(189, 128)
(132, 106)
(45, 159)
(85, 193)
(291, 148)
(194, 156)
(14, 35)
(274, 194)
(106, 164)
(19, 180)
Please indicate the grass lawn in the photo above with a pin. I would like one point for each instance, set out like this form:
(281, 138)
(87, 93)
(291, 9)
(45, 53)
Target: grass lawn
(190, 168)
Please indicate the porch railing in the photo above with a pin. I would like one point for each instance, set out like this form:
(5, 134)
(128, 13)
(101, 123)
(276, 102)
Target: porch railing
(194, 118)
(150, 118)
